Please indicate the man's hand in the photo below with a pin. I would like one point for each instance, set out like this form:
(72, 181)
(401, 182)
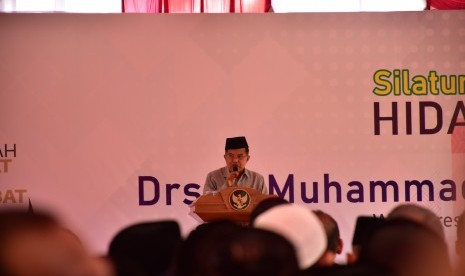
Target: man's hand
(232, 177)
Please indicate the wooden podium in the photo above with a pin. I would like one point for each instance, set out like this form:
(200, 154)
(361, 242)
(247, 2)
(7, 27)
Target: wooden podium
(234, 203)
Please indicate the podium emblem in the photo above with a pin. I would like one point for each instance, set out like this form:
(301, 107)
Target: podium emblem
(239, 199)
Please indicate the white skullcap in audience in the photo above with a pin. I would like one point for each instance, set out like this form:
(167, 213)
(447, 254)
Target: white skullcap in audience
(298, 225)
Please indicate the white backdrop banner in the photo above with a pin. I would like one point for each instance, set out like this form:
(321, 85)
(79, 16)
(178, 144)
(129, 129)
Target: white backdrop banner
(109, 120)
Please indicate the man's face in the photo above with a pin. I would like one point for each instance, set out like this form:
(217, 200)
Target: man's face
(238, 157)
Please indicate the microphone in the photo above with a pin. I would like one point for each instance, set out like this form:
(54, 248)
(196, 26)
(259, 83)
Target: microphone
(231, 181)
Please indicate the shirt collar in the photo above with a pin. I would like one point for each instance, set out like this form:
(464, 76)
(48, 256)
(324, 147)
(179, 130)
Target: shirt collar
(247, 172)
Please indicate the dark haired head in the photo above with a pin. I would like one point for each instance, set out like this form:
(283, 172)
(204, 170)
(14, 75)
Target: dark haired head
(256, 252)
(149, 246)
(332, 230)
(194, 258)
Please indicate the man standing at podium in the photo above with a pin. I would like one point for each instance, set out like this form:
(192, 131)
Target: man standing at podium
(234, 174)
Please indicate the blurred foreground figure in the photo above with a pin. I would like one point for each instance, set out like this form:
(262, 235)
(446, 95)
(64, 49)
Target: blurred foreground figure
(256, 252)
(335, 244)
(418, 214)
(225, 249)
(364, 228)
(145, 249)
(196, 256)
(37, 245)
(348, 270)
(407, 248)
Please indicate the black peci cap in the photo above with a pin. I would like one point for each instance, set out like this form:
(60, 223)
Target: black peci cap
(236, 143)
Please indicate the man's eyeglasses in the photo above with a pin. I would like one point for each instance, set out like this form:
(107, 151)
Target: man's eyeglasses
(232, 156)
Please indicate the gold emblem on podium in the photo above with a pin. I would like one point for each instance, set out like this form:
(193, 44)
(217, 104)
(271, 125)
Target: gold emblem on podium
(239, 199)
